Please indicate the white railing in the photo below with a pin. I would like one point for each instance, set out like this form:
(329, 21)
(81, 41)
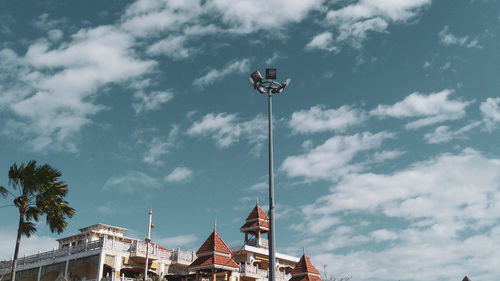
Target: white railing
(154, 251)
(262, 273)
(54, 254)
(183, 256)
(263, 242)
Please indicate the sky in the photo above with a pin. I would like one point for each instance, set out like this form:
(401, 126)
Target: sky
(387, 164)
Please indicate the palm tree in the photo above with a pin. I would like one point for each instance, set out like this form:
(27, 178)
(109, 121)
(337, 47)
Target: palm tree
(37, 191)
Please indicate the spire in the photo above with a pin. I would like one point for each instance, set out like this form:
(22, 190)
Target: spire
(215, 225)
(305, 266)
(466, 278)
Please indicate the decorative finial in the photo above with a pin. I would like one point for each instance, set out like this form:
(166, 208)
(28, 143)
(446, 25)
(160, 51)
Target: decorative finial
(215, 225)
(257, 200)
(304, 251)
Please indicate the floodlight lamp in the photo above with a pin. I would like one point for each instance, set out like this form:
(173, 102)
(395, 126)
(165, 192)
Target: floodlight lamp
(271, 73)
(256, 77)
(251, 81)
(287, 81)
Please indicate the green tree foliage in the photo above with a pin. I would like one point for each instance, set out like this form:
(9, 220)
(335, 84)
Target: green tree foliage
(37, 191)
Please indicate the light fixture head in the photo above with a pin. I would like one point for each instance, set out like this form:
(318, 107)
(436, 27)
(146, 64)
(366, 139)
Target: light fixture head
(256, 77)
(271, 73)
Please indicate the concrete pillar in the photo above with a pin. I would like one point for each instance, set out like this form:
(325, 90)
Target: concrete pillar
(118, 266)
(197, 275)
(246, 236)
(100, 267)
(66, 269)
(39, 273)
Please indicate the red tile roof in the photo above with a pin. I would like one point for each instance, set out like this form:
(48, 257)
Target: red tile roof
(214, 260)
(213, 244)
(257, 213)
(304, 265)
(214, 253)
(255, 224)
(305, 278)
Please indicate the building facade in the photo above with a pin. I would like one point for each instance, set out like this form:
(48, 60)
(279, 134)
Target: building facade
(102, 252)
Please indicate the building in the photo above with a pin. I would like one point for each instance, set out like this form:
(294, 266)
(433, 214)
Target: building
(102, 252)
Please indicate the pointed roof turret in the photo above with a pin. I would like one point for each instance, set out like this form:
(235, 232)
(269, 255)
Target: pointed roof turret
(466, 278)
(304, 270)
(256, 220)
(214, 253)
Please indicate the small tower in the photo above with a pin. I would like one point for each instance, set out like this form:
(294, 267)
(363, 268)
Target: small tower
(304, 270)
(466, 278)
(214, 260)
(257, 223)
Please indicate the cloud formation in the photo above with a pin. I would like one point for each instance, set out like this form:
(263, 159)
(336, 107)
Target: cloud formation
(320, 119)
(179, 174)
(332, 159)
(353, 22)
(227, 129)
(445, 213)
(490, 110)
(427, 109)
(213, 75)
(447, 38)
(61, 82)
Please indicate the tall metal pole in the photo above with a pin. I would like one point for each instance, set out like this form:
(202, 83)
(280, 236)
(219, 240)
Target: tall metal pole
(271, 190)
(148, 239)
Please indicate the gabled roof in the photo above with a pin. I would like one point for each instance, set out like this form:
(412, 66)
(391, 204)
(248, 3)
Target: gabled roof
(213, 244)
(304, 266)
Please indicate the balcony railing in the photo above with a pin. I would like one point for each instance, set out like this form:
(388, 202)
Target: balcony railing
(253, 242)
(54, 254)
(254, 271)
(137, 249)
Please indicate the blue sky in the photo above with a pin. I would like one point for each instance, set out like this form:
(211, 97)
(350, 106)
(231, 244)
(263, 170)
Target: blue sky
(386, 141)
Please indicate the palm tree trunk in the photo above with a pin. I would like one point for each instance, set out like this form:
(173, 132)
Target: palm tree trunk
(16, 251)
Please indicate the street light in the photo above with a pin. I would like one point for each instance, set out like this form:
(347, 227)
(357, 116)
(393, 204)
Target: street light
(270, 87)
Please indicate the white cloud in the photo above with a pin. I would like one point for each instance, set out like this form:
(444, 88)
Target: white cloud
(174, 242)
(466, 182)
(323, 41)
(160, 147)
(332, 159)
(131, 182)
(152, 101)
(226, 129)
(491, 113)
(354, 20)
(383, 235)
(245, 16)
(238, 67)
(384, 155)
(148, 18)
(428, 109)
(443, 134)
(172, 46)
(260, 186)
(179, 174)
(447, 38)
(61, 82)
(29, 246)
(445, 212)
(319, 119)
